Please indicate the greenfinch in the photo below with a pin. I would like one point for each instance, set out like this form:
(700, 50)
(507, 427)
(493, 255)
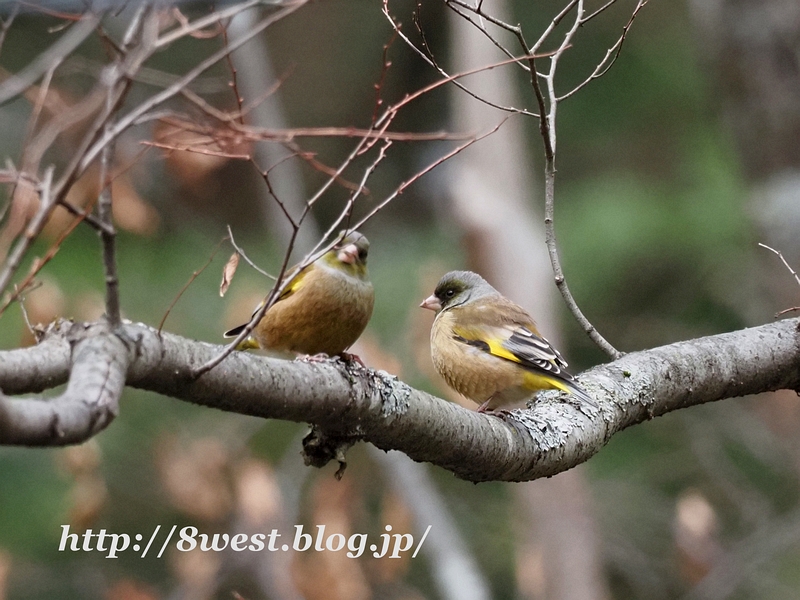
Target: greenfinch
(324, 308)
(488, 349)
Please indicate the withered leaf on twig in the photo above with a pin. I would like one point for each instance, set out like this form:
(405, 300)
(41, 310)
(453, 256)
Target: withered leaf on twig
(228, 272)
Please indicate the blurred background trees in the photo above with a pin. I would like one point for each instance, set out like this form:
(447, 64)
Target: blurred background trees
(670, 169)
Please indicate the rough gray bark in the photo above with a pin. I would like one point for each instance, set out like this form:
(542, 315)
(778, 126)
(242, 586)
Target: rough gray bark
(96, 361)
(348, 403)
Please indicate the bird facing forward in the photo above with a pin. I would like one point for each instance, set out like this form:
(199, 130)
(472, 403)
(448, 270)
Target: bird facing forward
(324, 308)
(488, 349)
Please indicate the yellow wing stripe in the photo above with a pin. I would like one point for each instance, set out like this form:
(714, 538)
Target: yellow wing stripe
(533, 381)
(295, 284)
(497, 349)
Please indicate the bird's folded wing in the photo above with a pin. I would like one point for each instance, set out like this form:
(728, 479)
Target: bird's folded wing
(517, 344)
(296, 282)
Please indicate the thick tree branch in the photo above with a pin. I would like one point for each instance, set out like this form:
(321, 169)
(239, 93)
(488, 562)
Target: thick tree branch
(348, 403)
(97, 366)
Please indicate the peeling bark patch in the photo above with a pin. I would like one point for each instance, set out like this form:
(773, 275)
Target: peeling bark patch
(394, 394)
(549, 430)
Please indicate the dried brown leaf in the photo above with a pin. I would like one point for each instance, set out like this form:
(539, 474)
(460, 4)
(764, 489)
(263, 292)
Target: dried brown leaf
(228, 272)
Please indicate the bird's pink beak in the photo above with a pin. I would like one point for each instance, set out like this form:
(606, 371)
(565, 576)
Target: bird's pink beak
(431, 303)
(348, 255)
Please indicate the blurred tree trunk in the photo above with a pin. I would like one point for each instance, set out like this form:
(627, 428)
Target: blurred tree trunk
(751, 50)
(492, 189)
(752, 54)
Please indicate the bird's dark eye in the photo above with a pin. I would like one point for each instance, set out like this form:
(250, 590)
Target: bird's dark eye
(449, 293)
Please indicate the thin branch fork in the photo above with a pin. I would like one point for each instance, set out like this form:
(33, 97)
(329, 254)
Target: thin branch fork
(237, 133)
(126, 121)
(544, 89)
(396, 26)
(791, 270)
(543, 86)
(17, 84)
(109, 92)
(140, 41)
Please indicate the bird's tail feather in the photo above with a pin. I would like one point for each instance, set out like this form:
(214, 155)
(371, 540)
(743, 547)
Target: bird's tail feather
(581, 394)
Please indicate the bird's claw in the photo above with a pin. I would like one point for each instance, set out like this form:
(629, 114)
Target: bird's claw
(348, 357)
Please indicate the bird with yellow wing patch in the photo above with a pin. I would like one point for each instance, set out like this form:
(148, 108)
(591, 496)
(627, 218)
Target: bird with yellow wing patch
(324, 308)
(488, 348)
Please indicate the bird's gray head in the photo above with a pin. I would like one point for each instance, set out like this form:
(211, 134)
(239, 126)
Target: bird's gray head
(456, 288)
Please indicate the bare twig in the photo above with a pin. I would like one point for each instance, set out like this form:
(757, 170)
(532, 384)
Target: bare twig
(459, 8)
(89, 219)
(401, 188)
(276, 198)
(347, 212)
(253, 104)
(207, 21)
(129, 119)
(233, 84)
(108, 239)
(135, 27)
(38, 264)
(210, 84)
(791, 270)
(385, 64)
(548, 128)
(783, 260)
(38, 105)
(315, 164)
(46, 202)
(251, 133)
(599, 11)
(25, 317)
(196, 150)
(21, 81)
(109, 93)
(188, 283)
(450, 78)
(6, 25)
(611, 54)
(245, 257)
